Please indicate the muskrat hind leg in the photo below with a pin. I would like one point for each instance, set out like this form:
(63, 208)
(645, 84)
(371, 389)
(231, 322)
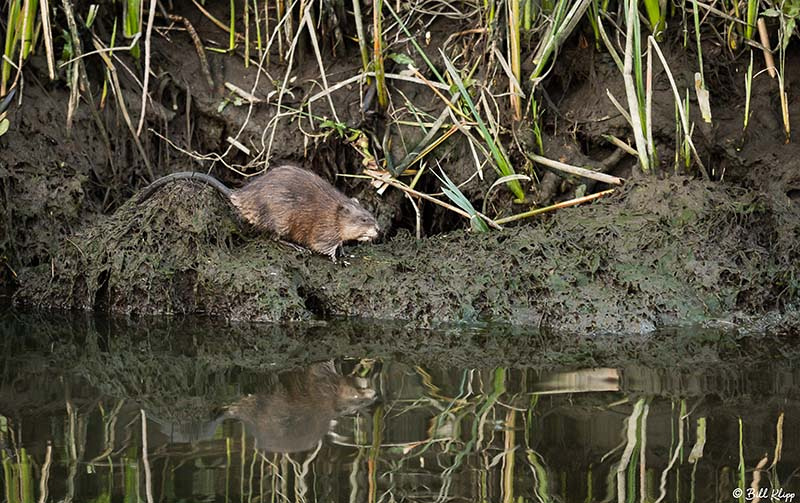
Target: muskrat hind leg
(297, 247)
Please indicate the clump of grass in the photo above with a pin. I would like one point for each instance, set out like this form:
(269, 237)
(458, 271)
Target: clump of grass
(634, 85)
(22, 32)
(657, 15)
(502, 165)
(565, 18)
(132, 25)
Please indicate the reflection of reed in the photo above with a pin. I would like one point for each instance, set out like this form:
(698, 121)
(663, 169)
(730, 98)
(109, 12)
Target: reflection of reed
(109, 429)
(148, 483)
(48, 458)
(677, 450)
(632, 436)
(301, 471)
(72, 451)
(577, 381)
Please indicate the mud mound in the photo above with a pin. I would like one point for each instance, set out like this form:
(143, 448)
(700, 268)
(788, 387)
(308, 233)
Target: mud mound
(659, 252)
(179, 252)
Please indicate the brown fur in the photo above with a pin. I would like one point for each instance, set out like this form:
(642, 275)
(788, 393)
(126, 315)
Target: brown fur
(299, 206)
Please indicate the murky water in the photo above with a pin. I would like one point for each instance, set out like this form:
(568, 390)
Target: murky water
(190, 412)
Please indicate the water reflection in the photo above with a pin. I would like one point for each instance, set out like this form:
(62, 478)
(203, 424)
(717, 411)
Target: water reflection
(292, 414)
(392, 430)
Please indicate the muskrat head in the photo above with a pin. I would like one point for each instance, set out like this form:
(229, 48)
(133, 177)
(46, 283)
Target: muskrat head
(356, 223)
(352, 395)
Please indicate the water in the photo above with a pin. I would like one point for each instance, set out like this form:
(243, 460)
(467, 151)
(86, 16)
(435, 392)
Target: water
(191, 410)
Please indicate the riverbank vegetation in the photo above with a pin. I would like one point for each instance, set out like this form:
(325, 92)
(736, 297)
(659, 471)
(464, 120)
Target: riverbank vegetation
(438, 115)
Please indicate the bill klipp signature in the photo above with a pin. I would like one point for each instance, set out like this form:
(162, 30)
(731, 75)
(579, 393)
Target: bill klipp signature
(763, 494)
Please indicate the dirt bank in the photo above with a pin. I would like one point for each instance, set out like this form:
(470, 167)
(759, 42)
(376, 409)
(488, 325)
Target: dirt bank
(661, 252)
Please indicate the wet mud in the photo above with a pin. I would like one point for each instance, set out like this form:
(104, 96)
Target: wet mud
(661, 252)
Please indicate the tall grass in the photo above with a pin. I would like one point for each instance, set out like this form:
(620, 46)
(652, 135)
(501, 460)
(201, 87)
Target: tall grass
(20, 38)
(489, 100)
(377, 54)
(132, 24)
(502, 165)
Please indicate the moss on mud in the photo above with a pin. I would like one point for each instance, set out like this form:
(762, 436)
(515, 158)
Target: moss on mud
(179, 252)
(660, 252)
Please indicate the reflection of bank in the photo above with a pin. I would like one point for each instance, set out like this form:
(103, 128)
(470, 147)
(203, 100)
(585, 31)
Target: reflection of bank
(293, 415)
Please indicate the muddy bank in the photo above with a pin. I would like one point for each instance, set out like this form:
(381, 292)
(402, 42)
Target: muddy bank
(667, 248)
(660, 252)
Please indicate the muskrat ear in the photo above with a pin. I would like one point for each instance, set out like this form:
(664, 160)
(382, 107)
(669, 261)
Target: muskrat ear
(344, 209)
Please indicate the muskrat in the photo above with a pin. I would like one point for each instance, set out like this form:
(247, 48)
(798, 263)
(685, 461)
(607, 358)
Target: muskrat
(294, 204)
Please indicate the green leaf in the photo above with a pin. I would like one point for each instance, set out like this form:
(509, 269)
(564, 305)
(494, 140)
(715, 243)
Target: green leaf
(401, 59)
(452, 191)
(4, 126)
(787, 34)
(92, 14)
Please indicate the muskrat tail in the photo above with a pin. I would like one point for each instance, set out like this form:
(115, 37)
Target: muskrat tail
(183, 175)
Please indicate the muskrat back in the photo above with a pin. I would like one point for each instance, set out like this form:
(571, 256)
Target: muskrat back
(299, 205)
(296, 205)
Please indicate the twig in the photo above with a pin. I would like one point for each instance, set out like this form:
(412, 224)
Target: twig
(313, 34)
(356, 78)
(446, 101)
(718, 12)
(198, 46)
(621, 144)
(107, 50)
(216, 21)
(575, 170)
(117, 90)
(272, 126)
(150, 19)
(418, 215)
(563, 204)
(763, 34)
(681, 111)
(249, 97)
(619, 107)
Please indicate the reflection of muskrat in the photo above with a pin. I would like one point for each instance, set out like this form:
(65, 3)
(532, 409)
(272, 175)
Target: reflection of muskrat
(295, 204)
(297, 412)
